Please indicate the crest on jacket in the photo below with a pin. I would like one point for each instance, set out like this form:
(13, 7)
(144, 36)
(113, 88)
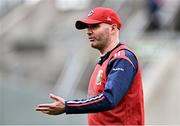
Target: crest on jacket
(99, 77)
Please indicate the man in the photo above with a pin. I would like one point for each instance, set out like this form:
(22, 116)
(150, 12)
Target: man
(115, 94)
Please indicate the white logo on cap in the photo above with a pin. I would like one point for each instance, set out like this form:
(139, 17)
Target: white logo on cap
(109, 19)
(91, 13)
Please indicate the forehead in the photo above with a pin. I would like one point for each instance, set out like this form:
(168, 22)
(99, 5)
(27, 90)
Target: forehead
(105, 24)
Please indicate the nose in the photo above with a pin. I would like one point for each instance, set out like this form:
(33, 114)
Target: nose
(89, 31)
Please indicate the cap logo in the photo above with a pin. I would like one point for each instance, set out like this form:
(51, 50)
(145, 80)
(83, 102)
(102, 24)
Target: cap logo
(91, 13)
(109, 19)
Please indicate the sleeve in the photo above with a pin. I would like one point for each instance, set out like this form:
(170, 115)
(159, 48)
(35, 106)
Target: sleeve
(120, 76)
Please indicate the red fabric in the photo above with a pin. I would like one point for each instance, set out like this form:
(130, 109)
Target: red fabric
(130, 110)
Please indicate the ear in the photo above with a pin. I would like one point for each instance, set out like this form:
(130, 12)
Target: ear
(114, 28)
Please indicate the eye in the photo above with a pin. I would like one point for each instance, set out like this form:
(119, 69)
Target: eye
(94, 26)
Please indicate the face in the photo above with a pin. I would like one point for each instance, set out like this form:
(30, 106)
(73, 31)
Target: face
(99, 35)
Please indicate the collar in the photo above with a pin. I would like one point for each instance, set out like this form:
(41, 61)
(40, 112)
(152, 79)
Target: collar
(105, 57)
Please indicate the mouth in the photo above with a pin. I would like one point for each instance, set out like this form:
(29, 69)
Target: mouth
(91, 39)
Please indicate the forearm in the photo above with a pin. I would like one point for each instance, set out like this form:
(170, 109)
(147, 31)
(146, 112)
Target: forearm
(89, 105)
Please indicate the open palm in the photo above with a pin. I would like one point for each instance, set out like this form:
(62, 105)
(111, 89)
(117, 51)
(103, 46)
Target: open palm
(55, 108)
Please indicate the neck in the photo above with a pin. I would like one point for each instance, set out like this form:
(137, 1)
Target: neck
(111, 45)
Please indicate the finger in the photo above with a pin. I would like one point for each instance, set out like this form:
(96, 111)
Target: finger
(49, 106)
(56, 98)
(44, 105)
(46, 112)
(44, 109)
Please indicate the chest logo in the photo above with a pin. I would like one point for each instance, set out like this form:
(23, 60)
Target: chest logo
(99, 77)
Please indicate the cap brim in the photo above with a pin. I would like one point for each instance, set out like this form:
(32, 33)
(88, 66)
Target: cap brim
(82, 24)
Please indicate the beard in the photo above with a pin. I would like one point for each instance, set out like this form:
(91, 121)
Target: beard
(99, 44)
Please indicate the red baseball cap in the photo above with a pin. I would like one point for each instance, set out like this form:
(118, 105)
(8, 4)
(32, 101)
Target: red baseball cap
(99, 15)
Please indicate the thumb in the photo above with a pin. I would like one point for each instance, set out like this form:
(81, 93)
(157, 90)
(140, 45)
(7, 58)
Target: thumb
(54, 97)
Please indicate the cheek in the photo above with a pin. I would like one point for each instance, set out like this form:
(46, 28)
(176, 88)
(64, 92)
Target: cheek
(104, 35)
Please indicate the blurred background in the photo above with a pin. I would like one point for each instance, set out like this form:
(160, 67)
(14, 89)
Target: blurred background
(41, 52)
